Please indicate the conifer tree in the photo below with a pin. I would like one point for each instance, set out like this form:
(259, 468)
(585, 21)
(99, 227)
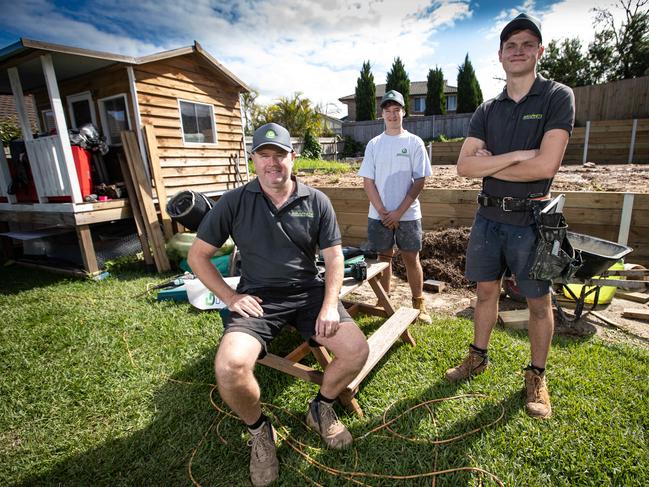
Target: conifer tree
(397, 79)
(435, 99)
(469, 94)
(365, 94)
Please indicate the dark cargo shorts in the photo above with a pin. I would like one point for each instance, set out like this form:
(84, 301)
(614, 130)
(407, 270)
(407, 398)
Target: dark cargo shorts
(407, 236)
(283, 306)
(494, 246)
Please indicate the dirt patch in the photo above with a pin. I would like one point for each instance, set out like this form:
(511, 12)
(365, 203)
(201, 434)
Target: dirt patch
(443, 257)
(589, 177)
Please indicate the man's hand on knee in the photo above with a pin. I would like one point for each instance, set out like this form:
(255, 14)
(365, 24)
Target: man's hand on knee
(246, 305)
(327, 323)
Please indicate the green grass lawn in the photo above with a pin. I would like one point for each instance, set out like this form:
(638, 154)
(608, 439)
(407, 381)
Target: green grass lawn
(99, 387)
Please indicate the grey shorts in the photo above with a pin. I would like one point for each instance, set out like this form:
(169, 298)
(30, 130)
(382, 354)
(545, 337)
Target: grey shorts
(282, 306)
(494, 246)
(407, 237)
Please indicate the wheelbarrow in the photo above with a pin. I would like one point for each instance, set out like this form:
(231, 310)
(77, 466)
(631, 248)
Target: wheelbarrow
(594, 273)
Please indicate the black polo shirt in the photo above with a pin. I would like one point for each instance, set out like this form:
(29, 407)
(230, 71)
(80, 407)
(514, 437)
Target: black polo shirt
(508, 126)
(278, 246)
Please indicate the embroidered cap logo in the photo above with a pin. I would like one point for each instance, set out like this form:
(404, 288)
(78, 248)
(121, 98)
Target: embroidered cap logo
(270, 134)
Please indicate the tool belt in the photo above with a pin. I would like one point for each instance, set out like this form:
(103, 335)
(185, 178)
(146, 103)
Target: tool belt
(507, 203)
(554, 258)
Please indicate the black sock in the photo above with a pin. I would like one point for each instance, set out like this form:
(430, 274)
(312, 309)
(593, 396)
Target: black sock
(324, 399)
(535, 369)
(481, 351)
(257, 424)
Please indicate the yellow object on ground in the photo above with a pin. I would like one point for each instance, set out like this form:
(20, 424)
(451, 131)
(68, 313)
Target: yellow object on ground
(606, 293)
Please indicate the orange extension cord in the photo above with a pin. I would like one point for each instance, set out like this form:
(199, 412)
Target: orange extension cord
(353, 477)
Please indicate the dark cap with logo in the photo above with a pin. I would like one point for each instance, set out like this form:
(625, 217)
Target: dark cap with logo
(392, 95)
(522, 22)
(272, 134)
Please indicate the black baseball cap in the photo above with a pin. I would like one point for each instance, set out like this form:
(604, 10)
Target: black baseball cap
(392, 95)
(522, 22)
(272, 134)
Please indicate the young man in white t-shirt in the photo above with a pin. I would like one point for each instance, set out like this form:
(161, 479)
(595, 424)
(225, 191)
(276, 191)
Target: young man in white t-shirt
(394, 171)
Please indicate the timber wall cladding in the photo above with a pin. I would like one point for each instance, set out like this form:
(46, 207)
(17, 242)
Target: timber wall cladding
(200, 167)
(609, 142)
(590, 213)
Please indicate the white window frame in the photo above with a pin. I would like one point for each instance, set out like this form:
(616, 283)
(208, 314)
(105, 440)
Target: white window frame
(182, 130)
(84, 95)
(448, 97)
(422, 101)
(104, 118)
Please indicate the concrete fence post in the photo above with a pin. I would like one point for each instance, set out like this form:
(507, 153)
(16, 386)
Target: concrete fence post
(587, 135)
(634, 130)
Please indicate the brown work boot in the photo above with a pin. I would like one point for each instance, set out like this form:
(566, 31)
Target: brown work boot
(420, 304)
(264, 467)
(537, 401)
(322, 418)
(473, 364)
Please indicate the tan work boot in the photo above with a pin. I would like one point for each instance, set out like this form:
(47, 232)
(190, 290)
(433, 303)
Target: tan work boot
(322, 418)
(420, 304)
(473, 364)
(537, 402)
(264, 467)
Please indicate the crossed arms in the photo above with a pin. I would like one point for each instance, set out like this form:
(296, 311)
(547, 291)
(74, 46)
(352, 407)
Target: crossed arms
(475, 160)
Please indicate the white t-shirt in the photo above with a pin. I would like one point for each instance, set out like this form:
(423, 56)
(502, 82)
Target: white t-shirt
(394, 162)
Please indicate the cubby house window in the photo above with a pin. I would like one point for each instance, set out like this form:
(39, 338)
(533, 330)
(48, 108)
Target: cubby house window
(82, 110)
(49, 125)
(114, 117)
(197, 121)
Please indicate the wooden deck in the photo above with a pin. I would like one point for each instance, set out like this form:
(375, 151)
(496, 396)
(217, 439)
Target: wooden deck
(80, 217)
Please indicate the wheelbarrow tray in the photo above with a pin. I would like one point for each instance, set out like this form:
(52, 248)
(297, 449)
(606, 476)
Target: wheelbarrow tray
(597, 254)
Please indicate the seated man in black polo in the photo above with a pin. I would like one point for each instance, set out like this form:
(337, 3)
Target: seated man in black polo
(278, 223)
(516, 142)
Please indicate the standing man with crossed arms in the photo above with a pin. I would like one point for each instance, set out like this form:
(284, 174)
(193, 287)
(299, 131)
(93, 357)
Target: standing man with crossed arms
(516, 142)
(394, 172)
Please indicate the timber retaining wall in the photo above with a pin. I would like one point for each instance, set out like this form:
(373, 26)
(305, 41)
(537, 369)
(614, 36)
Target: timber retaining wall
(593, 213)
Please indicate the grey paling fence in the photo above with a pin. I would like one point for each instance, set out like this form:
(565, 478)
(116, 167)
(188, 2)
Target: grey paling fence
(331, 146)
(425, 127)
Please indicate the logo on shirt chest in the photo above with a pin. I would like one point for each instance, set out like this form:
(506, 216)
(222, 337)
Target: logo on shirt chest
(403, 153)
(301, 213)
(533, 116)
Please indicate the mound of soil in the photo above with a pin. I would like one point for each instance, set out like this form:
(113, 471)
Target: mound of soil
(443, 257)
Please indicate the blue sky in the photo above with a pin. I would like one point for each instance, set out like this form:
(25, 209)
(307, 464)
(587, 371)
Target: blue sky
(316, 47)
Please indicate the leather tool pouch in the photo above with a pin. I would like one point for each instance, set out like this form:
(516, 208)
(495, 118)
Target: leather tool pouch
(555, 259)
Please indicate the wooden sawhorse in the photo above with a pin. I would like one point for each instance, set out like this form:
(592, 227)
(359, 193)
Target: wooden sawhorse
(379, 342)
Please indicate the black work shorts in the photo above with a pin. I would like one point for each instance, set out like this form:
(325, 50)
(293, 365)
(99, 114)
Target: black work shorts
(494, 246)
(283, 306)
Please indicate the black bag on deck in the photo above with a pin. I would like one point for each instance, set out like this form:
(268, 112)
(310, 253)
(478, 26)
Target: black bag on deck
(188, 208)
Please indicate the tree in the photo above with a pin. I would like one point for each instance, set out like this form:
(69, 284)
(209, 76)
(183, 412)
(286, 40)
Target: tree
(311, 148)
(617, 52)
(9, 130)
(566, 63)
(296, 114)
(435, 99)
(397, 79)
(469, 94)
(622, 52)
(365, 94)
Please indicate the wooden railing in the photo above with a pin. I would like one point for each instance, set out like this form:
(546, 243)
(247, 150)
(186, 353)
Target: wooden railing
(48, 167)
